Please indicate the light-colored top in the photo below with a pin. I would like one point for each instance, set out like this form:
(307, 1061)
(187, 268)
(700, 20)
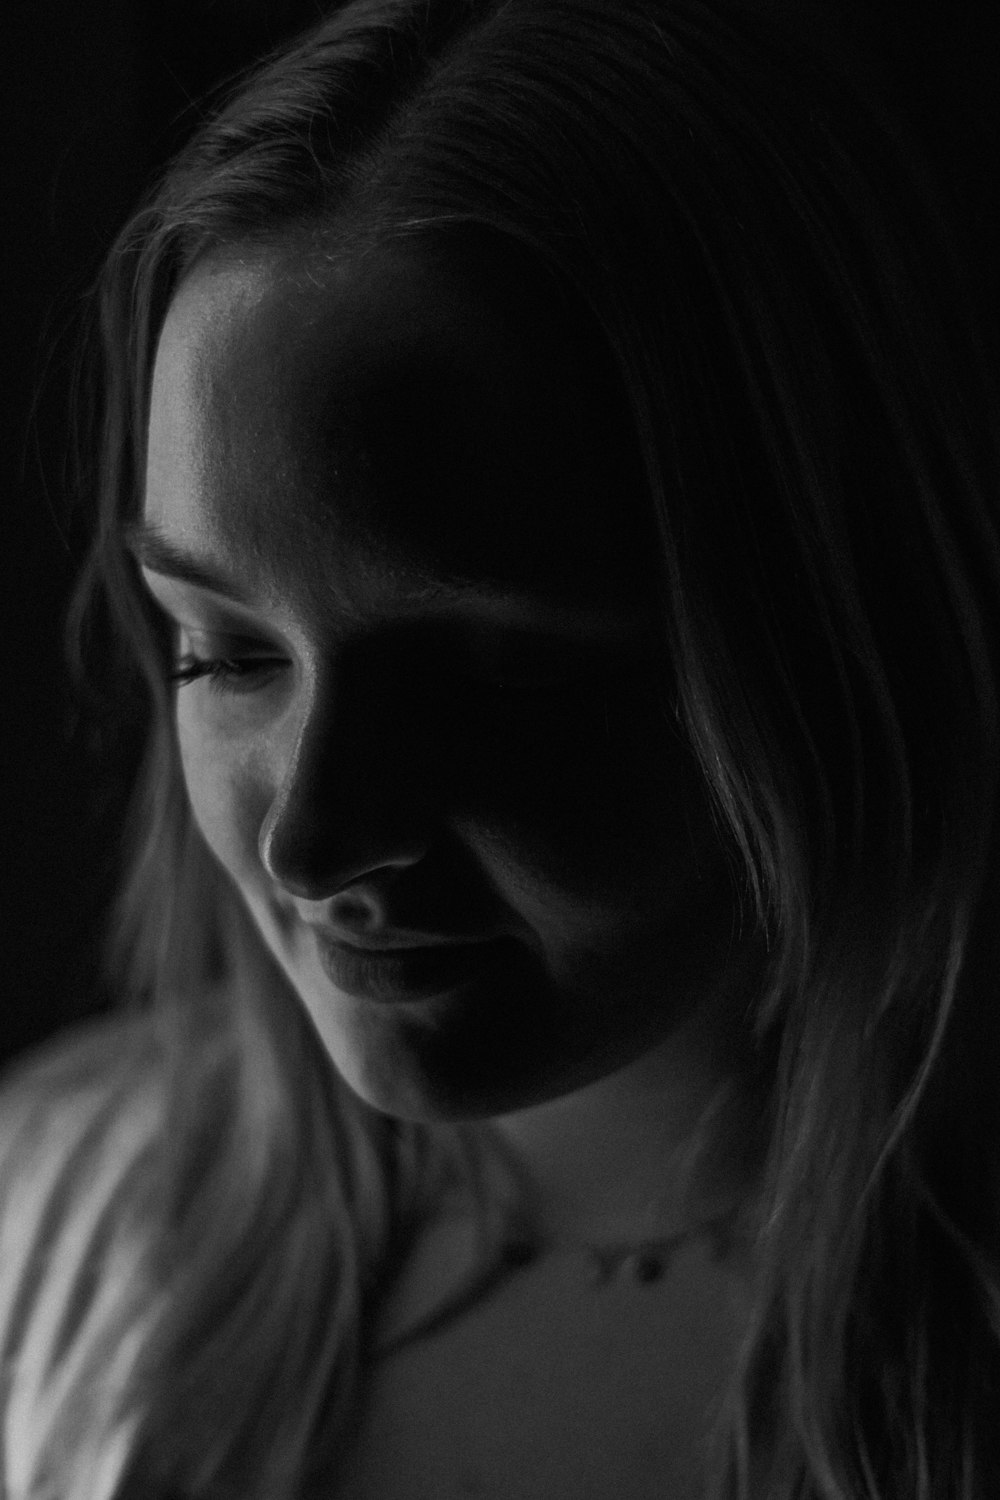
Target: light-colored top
(550, 1388)
(78, 1125)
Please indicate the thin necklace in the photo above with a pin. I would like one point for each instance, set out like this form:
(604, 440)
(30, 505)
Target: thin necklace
(641, 1262)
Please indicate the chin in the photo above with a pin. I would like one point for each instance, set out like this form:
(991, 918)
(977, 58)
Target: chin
(470, 1055)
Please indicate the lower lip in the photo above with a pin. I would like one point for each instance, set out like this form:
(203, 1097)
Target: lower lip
(408, 973)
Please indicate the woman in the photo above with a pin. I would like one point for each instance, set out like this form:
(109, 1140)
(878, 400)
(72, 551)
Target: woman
(548, 508)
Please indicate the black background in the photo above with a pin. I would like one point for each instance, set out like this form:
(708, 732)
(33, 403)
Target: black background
(96, 96)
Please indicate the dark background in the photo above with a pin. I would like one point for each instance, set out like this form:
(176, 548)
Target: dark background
(96, 97)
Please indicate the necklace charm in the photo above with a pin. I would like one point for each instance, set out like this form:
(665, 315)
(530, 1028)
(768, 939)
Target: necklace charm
(642, 1264)
(520, 1253)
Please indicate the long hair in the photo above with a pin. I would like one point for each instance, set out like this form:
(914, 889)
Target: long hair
(775, 288)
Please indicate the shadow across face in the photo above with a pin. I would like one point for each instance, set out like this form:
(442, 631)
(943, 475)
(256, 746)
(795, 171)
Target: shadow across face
(449, 714)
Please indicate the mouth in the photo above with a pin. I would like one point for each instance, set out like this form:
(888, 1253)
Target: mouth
(400, 974)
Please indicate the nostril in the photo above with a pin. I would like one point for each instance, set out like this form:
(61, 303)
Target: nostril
(353, 910)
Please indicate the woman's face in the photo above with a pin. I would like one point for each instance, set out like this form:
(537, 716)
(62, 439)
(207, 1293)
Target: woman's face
(392, 514)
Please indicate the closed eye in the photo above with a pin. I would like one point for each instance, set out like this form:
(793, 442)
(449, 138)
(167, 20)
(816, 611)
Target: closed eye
(226, 674)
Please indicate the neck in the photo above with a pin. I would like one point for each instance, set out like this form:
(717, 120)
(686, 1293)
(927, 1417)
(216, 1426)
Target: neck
(654, 1148)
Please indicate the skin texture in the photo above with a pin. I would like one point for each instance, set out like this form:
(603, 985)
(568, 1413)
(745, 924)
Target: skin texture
(402, 758)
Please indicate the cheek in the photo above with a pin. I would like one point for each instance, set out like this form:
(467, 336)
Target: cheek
(597, 796)
(225, 796)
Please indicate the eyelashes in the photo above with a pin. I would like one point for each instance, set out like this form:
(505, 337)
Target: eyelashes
(483, 671)
(235, 674)
(225, 674)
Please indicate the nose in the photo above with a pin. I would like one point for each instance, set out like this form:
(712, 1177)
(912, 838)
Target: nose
(350, 798)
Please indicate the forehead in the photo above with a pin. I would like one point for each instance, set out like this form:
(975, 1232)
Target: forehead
(331, 428)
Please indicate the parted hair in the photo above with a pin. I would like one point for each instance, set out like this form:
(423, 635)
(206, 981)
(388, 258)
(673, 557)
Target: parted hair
(771, 279)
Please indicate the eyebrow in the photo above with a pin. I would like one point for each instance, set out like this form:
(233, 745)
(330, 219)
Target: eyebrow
(156, 552)
(153, 550)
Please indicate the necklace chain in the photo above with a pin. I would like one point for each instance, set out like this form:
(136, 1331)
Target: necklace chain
(643, 1262)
